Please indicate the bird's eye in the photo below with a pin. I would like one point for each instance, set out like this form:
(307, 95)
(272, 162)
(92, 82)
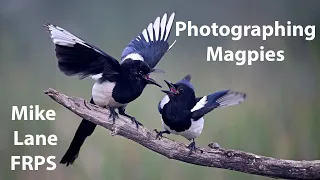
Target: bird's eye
(141, 72)
(180, 90)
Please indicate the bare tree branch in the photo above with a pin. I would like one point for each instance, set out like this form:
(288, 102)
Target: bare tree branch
(218, 158)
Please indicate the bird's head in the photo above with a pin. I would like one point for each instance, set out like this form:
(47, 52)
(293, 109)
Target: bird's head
(140, 71)
(182, 88)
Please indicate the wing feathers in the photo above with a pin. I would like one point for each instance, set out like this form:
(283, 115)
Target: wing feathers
(77, 57)
(151, 43)
(145, 35)
(62, 37)
(156, 27)
(159, 29)
(169, 25)
(150, 31)
(163, 25)
(172, 44)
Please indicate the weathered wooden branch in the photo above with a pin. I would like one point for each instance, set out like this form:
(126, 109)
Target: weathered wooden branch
(218, 158)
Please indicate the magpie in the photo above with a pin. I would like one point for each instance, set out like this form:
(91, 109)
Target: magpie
(117, 83)
(182, 112)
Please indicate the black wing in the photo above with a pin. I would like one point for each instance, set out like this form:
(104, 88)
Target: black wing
(77, 57)
(223, 98)
(152, 43)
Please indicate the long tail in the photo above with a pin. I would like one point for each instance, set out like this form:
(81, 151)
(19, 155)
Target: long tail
(218, 99)
(227, 98)
(85, 129)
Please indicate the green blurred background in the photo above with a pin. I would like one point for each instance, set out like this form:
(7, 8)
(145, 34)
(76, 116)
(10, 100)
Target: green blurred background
(280, 117)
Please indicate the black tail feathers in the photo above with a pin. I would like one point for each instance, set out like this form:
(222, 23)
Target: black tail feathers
(85, 129)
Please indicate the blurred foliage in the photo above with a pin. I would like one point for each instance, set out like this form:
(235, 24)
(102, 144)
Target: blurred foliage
(280, 117)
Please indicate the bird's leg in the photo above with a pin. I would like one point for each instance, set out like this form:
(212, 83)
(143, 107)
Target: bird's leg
(133, 119)
(113, 114)
(159, 133)
(192, 147)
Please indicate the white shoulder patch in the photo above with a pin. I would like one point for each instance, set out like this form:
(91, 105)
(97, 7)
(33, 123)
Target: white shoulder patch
(164, 101)
(200, 104)
(96, 76)
(134, 56)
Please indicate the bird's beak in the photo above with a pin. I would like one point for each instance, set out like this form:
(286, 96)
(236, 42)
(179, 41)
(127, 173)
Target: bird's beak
(151, 81)
(157, 71)
(172, 89)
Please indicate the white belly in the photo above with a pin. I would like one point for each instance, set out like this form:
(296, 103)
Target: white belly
(102, 95)
(193, 132)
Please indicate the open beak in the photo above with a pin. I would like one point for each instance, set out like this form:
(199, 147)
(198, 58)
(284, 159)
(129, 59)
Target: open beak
(151, 81)
(172, 89)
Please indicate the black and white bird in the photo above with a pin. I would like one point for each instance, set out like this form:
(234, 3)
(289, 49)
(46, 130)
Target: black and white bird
(117, 83)
(182, 112)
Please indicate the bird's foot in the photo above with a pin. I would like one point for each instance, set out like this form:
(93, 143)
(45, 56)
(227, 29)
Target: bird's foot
(113, 114)
(160, 133)
(192, 147)
(85, 104)
(133, 119)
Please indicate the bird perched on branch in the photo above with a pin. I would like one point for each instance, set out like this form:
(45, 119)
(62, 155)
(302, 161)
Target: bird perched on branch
(117, 84)
(182, 112)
